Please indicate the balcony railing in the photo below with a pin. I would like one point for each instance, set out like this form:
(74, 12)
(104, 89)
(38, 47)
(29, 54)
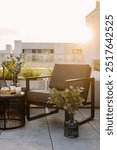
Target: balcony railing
(46, 60)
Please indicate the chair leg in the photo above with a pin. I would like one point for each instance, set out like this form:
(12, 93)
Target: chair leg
(93, 98)
(92, 114)
(91, 102)
(29, 118)
(28, 111)
(85, 120)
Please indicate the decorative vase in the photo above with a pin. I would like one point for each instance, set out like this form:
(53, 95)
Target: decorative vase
(71, 129)
(71, 126)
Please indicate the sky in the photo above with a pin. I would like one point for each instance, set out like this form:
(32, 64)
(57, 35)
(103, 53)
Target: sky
(43, 20)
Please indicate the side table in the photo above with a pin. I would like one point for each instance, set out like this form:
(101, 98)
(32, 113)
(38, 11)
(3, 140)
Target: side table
(12, 110)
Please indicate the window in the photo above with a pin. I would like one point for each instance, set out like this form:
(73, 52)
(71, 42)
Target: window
(77, 51)
(77, 55)
(40, 51)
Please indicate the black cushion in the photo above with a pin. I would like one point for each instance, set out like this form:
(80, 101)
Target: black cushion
(38, 97)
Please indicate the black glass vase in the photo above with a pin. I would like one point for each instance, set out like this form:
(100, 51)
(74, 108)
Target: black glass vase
(71, 129)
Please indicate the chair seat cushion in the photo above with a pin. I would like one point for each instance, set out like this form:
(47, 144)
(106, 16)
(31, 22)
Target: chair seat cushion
(38, 97)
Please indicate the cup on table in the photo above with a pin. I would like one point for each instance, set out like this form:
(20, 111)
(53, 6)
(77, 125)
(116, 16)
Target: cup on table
(12, 87)
(18, 89)
(4, 88)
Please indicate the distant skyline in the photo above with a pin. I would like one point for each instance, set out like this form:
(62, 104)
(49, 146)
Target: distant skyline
(43, 20)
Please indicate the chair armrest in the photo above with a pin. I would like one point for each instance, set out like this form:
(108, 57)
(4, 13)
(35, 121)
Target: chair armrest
(34, 78)
(79, 79)
(37, 77)
(92, 82)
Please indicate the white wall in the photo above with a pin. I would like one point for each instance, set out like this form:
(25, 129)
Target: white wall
(92, 48)
(63, 52)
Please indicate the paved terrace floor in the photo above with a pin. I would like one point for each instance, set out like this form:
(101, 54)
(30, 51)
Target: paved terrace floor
(48, 134)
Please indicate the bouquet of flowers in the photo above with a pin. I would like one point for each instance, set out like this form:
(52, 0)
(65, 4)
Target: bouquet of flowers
(69, 99)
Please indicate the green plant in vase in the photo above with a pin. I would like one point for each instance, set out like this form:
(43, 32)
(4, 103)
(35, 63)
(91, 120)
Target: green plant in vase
(13, 64)
(69, 99)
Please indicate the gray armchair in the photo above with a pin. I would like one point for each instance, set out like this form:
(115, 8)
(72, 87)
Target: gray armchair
(62, 77)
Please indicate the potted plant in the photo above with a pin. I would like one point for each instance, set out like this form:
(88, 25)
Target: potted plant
(29, 72)
(13, 65)
(69, 99)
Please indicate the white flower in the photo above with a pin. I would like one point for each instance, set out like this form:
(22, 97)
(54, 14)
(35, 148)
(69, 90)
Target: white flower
(71, 87)
(81, 89)
(67, 90)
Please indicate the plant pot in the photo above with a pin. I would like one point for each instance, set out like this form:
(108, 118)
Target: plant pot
(71, 129)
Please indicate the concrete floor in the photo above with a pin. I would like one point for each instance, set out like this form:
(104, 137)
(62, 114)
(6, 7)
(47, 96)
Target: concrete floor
(48, 134)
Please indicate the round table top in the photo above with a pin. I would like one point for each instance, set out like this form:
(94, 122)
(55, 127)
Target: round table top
(10, 95)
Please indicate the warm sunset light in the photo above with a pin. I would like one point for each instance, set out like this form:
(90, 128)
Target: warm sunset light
(50, 73)
(86, 35)
(44, 20)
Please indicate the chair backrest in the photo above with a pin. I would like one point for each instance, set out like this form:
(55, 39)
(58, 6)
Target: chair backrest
(63, 72)
(2, 82)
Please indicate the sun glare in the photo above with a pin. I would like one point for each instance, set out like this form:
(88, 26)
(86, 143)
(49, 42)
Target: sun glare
(86, 35)
(48, 21)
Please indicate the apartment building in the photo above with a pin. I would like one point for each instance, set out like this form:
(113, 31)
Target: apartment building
(47, 54)
(93, 46)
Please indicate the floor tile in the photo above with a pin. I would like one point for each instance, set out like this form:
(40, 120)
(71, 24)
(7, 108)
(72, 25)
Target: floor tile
(77, 144)
(48, 134)
(24, 144)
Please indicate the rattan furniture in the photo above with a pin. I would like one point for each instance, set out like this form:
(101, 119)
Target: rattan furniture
(12, 110)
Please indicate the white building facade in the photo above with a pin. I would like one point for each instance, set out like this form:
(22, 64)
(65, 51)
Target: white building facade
(5, 53)
(92, 48)
(47, 54)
